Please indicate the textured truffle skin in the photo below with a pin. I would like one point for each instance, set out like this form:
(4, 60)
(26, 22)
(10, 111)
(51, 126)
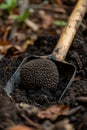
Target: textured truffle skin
(39, 73)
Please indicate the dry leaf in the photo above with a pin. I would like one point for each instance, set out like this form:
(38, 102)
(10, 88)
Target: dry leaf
(1, 1)
(14, 50)
(4, 43)
(6, 48)
(53, 112)
(19, 127)
(63, 125)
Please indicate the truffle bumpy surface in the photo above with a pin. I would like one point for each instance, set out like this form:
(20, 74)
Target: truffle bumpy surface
(39, 73)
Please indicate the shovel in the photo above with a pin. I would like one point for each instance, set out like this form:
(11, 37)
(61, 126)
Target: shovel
(66, 70)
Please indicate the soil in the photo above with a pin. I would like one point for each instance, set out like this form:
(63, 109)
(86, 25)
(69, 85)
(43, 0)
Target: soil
(13, 112)
(43, 46)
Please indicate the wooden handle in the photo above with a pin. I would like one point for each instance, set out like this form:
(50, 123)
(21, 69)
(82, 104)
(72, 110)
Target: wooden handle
(70, 29)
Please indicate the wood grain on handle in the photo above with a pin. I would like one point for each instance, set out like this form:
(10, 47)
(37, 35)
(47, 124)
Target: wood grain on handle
(67, 36)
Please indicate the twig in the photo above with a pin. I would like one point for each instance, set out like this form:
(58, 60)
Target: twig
(82, 99)
(32, 25)
(74, 110)
(55, 10)
(31, 122)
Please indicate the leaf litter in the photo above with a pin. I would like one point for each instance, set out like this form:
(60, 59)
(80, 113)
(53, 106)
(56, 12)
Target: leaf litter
(22, 42)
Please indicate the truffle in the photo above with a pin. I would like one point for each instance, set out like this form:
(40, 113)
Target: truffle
(39, 73)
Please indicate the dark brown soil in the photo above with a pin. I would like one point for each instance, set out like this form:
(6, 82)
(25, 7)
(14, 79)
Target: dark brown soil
(43, 98)
(24, 105)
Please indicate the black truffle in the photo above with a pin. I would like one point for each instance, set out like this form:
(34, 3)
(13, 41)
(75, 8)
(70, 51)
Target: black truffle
(39, 73)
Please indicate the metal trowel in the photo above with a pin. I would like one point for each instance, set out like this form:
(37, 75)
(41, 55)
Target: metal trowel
(66, 70)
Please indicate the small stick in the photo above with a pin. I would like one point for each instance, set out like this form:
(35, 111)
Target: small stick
(82, 99)
(70, 30)
(74, 110)
(32, 25)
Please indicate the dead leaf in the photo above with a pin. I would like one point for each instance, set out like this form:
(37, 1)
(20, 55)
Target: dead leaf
(14, 50)
(19, 127)
(4, 43)
(6, 48)
(1, 1)
(63, 125)
(53, 112)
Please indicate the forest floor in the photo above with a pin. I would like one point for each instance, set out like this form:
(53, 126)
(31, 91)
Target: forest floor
(38, 35)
